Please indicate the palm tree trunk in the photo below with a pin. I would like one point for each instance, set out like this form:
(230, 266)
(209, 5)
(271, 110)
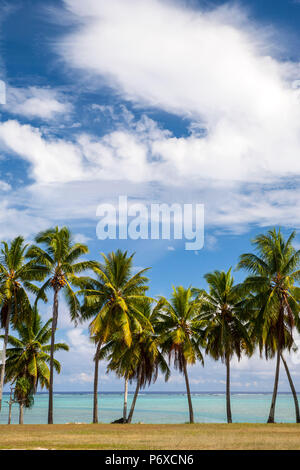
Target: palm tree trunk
(21, 413)
(273, 403)
(125, 400)
(228, 404)
(4, 356)
(138, 384)
(96, 375)
(54, 325)
(188, 392)
(10, 406)
(292, 389)
(9, 411)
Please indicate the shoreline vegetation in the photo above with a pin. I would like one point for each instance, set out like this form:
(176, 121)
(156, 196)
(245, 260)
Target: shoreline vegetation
(150, 437)
(141, 337)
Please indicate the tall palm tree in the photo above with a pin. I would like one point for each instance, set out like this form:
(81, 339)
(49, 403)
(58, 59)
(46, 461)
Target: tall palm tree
(29, 355)
(60, 256)
(181, 332)
(112, 300)
(16, 276)
(274, 271)
(226, 333)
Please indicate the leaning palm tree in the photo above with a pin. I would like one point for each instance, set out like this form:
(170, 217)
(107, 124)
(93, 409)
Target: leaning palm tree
(181, 333)
(292, 386)
(269, 348)
(149, 356)
(60, 256)
(118, 355)
(16, 276)
(226, 332)
(29, 355)
(274, 271)
(112, 300)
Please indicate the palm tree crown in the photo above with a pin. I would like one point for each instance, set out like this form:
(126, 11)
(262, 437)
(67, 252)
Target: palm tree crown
(226, 331)
(275, 297)
(16, 276)
(60, 256)
(181, 333)
(114, 297)
(29, 356)
(113, 300)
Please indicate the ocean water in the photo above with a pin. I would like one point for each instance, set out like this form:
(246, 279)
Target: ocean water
(156, 408)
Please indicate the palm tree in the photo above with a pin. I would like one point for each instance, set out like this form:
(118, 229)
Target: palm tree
(270, 350)
(112, 299)
(274, 270)
(16, 276)
(29, 355)
(226, 332)
(180, 332)
(142, 360)
(149, 357)
(123, 361)
(60, 256)
(23, 395)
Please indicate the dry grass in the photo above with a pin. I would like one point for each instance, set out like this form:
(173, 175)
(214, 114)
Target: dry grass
(151, 436)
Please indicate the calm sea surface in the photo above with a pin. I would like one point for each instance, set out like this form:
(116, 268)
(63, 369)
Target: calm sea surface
(156, 408)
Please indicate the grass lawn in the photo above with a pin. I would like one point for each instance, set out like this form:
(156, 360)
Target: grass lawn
(151, 436)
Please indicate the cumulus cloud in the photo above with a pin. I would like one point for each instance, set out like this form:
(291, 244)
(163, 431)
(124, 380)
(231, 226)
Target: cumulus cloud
(179, 59)
(119, 155)
(51, 159)
(213, 67)
(216, 70)
(71, 171)
(35, 102)
(80, 343)
(14, 221)
(81, 238)
(4, 186)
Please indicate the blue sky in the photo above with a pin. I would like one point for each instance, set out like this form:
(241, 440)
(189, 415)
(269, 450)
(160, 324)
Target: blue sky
(162, 101)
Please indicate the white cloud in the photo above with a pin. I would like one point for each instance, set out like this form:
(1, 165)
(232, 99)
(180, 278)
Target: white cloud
(176, 58)
(81, 378)
(81, 238)
(51, 159)
(218, 70)
(35, 102)
(14, 221)
(106, 110)
(214, 67)
(4, 186)
(80, 342)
